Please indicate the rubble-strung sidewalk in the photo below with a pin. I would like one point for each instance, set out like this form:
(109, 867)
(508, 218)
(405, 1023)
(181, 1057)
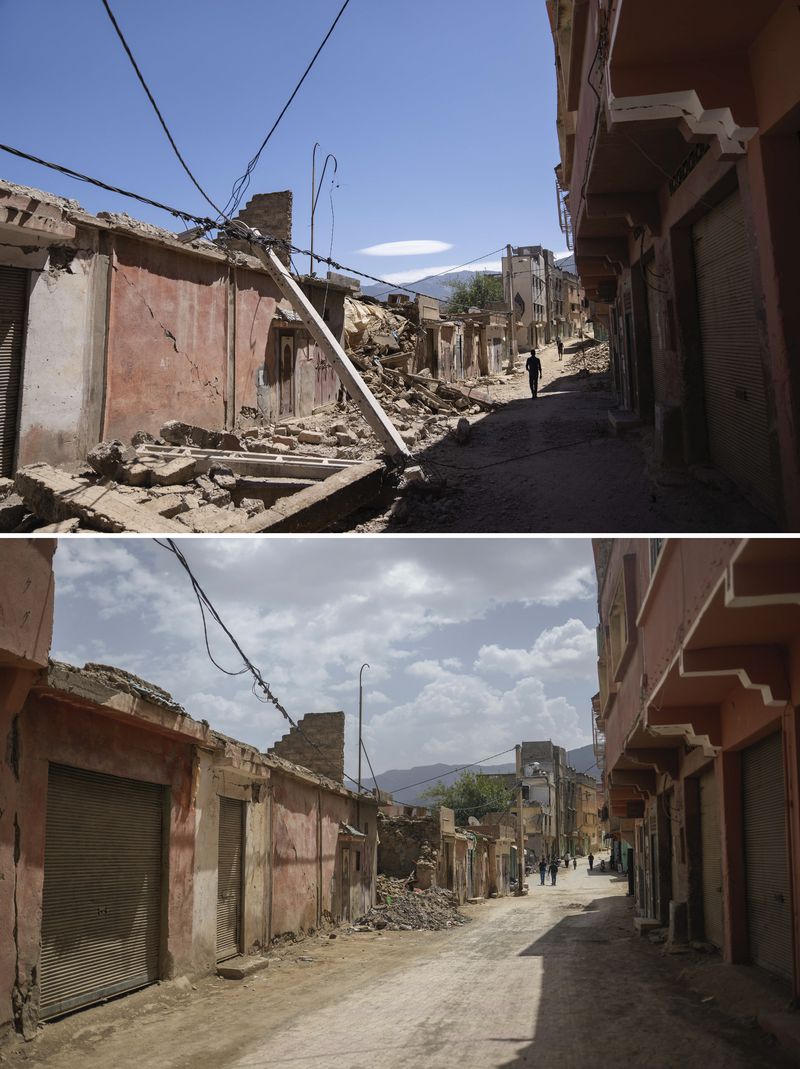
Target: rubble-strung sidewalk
(401, 909)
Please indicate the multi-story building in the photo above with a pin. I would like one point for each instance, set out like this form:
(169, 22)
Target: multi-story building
(526, 283)
(680, 165)
(699, 669)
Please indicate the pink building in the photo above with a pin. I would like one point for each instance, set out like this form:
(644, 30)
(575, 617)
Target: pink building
(699, 668)
(680, 164)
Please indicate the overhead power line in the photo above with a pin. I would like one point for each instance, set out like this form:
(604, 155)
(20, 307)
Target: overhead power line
(156, 108)
(177, 212)
(236, 227)
(241, 184)
(435, 779)
(258, 680)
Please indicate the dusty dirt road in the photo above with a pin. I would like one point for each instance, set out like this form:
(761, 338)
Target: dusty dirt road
(553, 465)
(557, 978)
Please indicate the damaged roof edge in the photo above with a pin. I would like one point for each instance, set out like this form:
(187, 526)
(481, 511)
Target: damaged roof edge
(122, 223)
(126, 695)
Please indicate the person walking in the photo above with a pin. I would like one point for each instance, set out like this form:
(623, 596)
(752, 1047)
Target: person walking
(542, 871)
(574, 863)
(591, 862)
(553, 871)
(560, 347)
(533, 366)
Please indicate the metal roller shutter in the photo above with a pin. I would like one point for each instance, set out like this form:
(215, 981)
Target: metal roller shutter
(101, 907)
(229, 879)
(736, 403)
(712, 857)
(13, 296)
(768, 897)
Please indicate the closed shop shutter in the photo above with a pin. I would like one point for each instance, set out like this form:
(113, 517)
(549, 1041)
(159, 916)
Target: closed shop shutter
(655, 317)
(736, 404)
(712, 857)
(101, 906)
(13, 296)
(229, 879)
(768, 897)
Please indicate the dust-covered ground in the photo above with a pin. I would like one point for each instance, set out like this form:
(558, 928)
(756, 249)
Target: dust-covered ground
(556, 977)
(553, 464)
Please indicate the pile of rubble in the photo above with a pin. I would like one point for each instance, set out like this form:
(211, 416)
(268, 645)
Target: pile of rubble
(593, 359)
(189, 479)
(402, 910)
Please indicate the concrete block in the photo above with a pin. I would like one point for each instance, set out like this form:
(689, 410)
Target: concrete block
(311, 437)
(172, 472)
(242, 967)
(644, 925)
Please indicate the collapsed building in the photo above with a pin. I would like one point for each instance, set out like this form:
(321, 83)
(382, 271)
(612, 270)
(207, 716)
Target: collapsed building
(172, 348)
(424, 848)
(137, 843)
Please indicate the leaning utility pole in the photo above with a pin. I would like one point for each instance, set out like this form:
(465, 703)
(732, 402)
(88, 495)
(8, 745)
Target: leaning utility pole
(512, 315)
(520, 826)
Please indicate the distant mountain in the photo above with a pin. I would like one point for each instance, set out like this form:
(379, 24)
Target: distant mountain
(582, 760)
(395, 778)
(432, 285)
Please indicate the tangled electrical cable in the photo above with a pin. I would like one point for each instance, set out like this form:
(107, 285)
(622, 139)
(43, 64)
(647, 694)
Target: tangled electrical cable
(259, 683)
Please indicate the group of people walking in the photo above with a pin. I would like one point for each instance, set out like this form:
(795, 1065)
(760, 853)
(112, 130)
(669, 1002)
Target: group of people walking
(552, 864)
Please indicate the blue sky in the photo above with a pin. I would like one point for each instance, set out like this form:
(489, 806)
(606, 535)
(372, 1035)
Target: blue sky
(474, 644)
(442, 115)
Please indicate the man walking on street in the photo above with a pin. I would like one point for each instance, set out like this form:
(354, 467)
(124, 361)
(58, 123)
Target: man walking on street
(542, 871)
(533, 366)
(591, 862)
(553, 871)
(560, 347)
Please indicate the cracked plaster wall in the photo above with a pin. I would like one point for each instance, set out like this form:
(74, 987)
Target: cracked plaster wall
(62, 367)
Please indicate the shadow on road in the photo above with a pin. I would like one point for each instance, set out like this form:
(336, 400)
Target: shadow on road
(552, 464)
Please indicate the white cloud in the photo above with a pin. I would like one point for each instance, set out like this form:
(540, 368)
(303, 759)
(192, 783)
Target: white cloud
(461, 716)
(310, 617)
(563, 652)
(406, 248)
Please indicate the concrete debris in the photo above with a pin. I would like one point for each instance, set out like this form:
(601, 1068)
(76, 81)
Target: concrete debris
(107, 458)
(12, 511)
(53, 495)
(400, 909)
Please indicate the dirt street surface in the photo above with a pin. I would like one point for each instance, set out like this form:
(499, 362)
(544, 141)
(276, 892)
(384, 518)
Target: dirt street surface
(525, 983)
(553, 464)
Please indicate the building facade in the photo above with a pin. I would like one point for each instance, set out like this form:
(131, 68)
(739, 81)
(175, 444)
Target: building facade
(136, 843)
(699, 670)
(112, 326)
(679, 156)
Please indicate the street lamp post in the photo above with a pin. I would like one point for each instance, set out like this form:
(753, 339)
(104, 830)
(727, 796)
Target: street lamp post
(360, 718)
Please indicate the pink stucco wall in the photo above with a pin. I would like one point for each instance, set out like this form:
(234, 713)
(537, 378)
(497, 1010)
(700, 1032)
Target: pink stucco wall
(50, 730)
(167, 339)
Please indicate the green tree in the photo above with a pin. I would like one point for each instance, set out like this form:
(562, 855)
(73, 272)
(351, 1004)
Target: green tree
(479, 291)
(472, 795)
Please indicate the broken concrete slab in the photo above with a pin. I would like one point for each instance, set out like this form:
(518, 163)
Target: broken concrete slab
(208, 519)
(6, 488)
(311, 437)
(316, 507)
(62, 527)
(168, 504)
(241, 967)
(107, 458)
(267, 489)
(134, 474)
(55, 495)
(297, 465)
(172, 472)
